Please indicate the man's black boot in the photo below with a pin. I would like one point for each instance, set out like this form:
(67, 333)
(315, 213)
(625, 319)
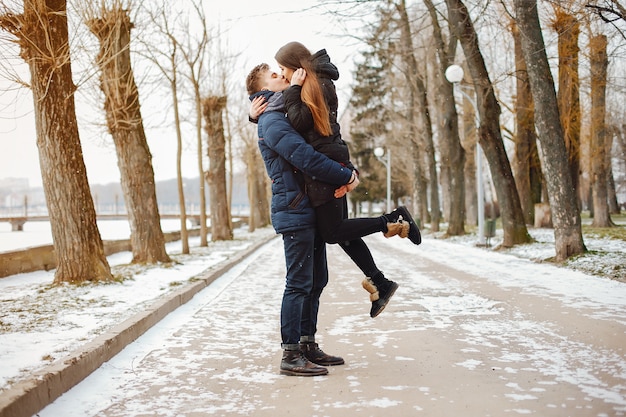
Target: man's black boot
(295, 364)
(381, 290)
(401, 214)
(316, 355)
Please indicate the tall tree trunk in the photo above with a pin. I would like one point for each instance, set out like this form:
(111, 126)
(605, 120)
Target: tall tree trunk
(568, 96)
(613, 203)
(166, 59)
(257, 187)
(561, 193)
(452, 154)
(490, 137)
(419, 155)
(194, 50)
(202, 190)
(212, 110)
(612, 197)
(469, 143)
(228, 148)
(124, 121)
(619, 136)
(42, 33)
(599, 146)
(419, 95)
(184, 235)
(527, 156)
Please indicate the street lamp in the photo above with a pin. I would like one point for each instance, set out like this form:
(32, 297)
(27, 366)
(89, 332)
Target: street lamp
(454, 74)
(379, 152)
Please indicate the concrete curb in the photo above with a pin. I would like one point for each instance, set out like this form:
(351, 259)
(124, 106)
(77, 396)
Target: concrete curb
(27, 397)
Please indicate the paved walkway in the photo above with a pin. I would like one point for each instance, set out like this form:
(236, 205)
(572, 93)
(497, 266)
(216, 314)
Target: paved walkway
(450, 343)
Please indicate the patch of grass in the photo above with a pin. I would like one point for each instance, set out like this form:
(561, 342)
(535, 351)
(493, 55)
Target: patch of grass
(119, 279)
(616, 232)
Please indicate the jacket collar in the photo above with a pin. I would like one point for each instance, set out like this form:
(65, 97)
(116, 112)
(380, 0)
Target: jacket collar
(275, 101)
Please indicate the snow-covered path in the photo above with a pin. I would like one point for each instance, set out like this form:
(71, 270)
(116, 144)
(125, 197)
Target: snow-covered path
(469, 333)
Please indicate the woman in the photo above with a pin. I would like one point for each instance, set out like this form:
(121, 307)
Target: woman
(311, 105)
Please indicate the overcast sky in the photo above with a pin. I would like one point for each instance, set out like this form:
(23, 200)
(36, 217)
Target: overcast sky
(256, 29)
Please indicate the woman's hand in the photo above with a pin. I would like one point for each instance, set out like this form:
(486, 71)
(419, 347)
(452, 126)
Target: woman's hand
(341, 191)
(345, 189)
(298, 77)
(258, 106)
(354, 182)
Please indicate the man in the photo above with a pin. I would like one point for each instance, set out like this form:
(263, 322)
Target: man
(287, 155)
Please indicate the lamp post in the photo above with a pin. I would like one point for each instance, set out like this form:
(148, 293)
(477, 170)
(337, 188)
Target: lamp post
(379, 152)
(454, 74)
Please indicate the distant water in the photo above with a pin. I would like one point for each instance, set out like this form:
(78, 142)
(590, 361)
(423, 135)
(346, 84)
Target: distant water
(39, 233)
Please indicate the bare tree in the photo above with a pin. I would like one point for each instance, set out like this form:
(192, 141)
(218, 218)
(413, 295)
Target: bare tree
(599, 140)
(124, 121)
(165, 56)
(224, 66)
(452, 153)
(614, 207)
(418, 101)
(528, 172)
(490, 137)
(42, 34)
(469, 141)
(610, 11)
(224, 86)
(563, 201)
(613, 14)
(194, 54)
(213, 111)
(568, 96)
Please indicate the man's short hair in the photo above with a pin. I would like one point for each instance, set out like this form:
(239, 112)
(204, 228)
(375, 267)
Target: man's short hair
(254, 78)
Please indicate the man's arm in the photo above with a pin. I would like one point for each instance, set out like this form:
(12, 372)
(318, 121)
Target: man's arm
(283, 139)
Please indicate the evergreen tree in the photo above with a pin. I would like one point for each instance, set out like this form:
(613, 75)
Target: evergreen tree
(368, 126)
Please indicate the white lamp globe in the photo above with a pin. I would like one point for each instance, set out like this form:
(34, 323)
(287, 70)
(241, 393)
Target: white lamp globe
(379, 152)
(454, 73)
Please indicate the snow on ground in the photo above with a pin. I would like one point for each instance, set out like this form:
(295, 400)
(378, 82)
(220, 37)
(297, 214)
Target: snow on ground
(526, 359)
(40, 323)
(606, 257)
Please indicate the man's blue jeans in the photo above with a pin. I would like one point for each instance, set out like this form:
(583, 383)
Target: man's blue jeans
(307, 275)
